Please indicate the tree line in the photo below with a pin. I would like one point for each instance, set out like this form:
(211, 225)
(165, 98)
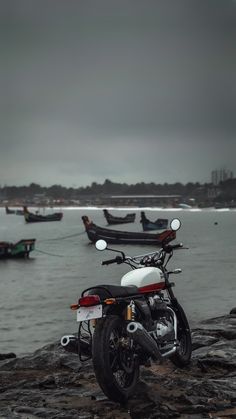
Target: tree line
(227, 190)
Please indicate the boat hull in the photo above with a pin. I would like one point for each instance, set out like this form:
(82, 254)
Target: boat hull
(95, 233)
(159, 224)
(16, 212)
(112, 220)
(37, 218)
(18, 250)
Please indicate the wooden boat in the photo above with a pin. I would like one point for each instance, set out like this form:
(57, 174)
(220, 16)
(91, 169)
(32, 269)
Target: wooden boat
(20, 249)
(14, 211)
(95, 233)
(111, 219)
(184, 206)
(159, 224)
(220, 205)
(31, 217)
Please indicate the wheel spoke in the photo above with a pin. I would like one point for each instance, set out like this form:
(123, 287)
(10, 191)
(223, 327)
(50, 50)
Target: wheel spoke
(122, 378)
(114, 361)
(120, 360)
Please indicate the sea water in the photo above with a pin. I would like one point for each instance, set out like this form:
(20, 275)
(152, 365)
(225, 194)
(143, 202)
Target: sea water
(35, 294)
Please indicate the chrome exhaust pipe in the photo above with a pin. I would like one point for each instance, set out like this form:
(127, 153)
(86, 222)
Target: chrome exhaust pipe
(140, 335)
(70, 343)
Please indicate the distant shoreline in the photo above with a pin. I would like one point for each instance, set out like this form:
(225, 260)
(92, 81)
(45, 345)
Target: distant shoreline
(123, 208)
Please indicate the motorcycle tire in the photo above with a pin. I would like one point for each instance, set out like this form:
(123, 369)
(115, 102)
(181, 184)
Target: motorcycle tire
(182, 356)
(115, 365)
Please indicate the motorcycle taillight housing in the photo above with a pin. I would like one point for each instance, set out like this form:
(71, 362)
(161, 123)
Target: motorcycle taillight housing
(89, 300)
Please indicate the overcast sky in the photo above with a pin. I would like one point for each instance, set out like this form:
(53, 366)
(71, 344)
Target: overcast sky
(126, 90)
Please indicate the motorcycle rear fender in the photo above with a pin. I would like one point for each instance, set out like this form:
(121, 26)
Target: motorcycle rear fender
(143, 312)
(114, 309)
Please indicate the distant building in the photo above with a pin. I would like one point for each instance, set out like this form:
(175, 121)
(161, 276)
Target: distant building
(213, 192)
(40, 199)
(129, 200)
(144, 200)
(220, 175)
(2, 195)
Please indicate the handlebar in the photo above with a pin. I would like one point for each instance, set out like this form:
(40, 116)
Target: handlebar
(149, 259)
(169, 247)
(117, 259)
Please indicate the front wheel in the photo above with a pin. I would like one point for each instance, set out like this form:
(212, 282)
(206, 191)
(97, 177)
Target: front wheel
(182, 356)
(115, 365)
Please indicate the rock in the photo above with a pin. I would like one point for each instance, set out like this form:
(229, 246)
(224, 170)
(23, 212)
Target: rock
(233, 311)
(52, 383)
(7, 356)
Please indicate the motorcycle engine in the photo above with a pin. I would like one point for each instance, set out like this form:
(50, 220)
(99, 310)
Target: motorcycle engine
(164, 329)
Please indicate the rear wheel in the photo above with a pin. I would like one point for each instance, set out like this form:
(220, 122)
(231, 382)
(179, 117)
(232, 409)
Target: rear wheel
(115, 365)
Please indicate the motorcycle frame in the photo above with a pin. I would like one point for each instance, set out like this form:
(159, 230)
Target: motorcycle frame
(122, 304)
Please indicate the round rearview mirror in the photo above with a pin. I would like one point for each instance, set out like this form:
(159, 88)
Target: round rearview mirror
(175, 224)
(101, 245)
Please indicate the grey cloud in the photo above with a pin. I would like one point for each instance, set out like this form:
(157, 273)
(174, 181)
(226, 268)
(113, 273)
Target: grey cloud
(90, 86)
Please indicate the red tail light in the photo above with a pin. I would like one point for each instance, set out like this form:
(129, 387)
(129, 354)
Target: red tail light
(89, 300)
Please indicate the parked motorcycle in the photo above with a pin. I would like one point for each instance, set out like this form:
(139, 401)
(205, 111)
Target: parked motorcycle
(124, 327)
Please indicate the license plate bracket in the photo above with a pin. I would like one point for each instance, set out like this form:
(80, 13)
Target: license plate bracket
(89, 313)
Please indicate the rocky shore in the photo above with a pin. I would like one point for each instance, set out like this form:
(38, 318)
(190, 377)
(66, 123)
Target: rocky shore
(52, 383)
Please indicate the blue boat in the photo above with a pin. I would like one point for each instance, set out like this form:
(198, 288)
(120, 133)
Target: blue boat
(159, 224)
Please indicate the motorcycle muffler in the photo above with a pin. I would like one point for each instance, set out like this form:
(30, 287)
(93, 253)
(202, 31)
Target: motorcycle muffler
(140, 335)
(70, 343)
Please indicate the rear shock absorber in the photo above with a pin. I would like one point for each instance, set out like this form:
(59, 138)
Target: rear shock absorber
(130, 311)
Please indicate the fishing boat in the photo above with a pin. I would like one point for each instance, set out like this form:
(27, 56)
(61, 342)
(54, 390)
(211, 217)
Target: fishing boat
(159, 224)
(111, 219)
(14, 211)
(184, 206)
(20, 249)
(31, 217)
(95, 233)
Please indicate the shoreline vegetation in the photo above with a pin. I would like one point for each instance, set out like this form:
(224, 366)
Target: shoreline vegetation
(110, 194)
(52, 383)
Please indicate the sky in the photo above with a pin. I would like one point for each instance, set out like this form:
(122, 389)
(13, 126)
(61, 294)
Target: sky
(126, 90)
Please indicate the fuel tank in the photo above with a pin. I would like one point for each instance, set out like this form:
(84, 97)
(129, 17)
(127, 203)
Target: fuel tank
(147, 279)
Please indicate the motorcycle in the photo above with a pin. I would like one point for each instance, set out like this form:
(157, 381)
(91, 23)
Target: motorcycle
(124, 327)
